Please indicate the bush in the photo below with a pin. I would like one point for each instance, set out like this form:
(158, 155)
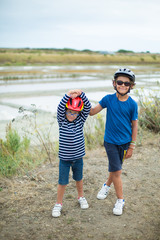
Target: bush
(14, 154)
(94, 131)
(38, 133)
(13, 141)
(149, 113)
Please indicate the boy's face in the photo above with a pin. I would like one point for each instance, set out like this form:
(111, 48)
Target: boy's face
(71, 115)
(123, 84)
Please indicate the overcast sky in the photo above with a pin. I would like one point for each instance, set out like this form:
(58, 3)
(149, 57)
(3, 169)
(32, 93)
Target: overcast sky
(107, 25)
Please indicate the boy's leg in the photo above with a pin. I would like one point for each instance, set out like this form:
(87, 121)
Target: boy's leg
(60, 193)
(117, 181)
(56, 211)
(109, 180)
(77, 168)
(64, 168)
(115, 177)
(79, 185)
(81, 199)
(115, 155)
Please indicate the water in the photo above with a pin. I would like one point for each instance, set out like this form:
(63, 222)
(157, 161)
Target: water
(45, 86)
(46, 92)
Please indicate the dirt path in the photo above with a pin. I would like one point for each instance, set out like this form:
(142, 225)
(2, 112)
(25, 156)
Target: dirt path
(26, 202)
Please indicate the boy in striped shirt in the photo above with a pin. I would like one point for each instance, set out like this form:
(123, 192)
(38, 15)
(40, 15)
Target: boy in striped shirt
(72, 113)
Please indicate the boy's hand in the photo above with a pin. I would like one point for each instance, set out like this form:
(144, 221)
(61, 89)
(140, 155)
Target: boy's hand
(74, 93)
(129, 153)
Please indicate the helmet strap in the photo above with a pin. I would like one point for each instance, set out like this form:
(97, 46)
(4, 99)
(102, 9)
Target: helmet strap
(122, 94)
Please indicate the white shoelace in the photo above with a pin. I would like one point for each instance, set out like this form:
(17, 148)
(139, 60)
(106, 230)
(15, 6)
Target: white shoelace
(119, 204)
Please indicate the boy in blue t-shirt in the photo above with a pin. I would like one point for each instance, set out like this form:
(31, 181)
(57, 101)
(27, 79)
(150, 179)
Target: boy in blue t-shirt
(120, 132)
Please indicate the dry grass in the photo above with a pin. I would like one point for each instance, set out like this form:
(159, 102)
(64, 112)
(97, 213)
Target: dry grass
(41, 57)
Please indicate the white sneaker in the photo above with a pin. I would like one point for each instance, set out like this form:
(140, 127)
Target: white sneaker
(103, 193)
(118, 208)
(83, 203)
(56, 211)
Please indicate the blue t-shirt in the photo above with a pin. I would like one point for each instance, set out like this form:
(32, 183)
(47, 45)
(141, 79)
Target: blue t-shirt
(119, 116)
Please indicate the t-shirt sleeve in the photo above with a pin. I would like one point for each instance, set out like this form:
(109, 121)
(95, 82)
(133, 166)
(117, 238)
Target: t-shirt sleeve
(135, 112)
(103, 102)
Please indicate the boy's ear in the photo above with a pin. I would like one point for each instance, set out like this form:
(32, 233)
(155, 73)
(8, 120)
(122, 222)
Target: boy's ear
(114, 82)
(132, 86)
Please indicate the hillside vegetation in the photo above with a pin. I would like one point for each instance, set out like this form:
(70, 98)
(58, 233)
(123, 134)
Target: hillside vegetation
(29, 56)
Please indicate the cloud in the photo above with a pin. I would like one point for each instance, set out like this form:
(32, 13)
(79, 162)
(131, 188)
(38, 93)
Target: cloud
(97, 24)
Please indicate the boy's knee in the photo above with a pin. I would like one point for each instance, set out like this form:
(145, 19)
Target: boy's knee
(117, 173)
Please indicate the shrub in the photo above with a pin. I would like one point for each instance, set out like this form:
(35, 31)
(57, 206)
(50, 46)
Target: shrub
(149, 113)
(13, 142)
(94, 131)
(14, 154)
(38, 133)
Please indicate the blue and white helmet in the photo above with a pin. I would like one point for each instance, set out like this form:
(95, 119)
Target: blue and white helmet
(125, 72)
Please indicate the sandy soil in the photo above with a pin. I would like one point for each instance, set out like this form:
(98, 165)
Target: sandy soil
(26, 202)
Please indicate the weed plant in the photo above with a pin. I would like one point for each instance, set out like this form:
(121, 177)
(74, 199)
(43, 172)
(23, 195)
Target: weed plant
(40, 136)
(149, 113)
(94, 131)
(14, 153)
(17, 154)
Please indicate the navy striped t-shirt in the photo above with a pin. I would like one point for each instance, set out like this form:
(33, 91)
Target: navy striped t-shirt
(71, 138)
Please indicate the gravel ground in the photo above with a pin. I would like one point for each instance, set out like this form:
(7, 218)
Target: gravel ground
(26, 202)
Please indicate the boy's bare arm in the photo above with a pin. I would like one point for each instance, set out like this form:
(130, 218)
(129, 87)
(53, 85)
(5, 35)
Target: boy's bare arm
(134, 130)
(95, 110)
(134, 136)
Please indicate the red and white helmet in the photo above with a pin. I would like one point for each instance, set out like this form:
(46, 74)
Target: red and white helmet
(75, 104)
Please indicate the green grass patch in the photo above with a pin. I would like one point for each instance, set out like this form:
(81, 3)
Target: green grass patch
(16, 154)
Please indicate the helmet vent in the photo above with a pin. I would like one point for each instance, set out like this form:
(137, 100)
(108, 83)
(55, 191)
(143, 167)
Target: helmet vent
(125, 72)
(79, 103)
(70, 101)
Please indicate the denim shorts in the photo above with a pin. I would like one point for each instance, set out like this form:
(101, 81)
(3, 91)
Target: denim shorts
(116, 154)
(64, 169)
